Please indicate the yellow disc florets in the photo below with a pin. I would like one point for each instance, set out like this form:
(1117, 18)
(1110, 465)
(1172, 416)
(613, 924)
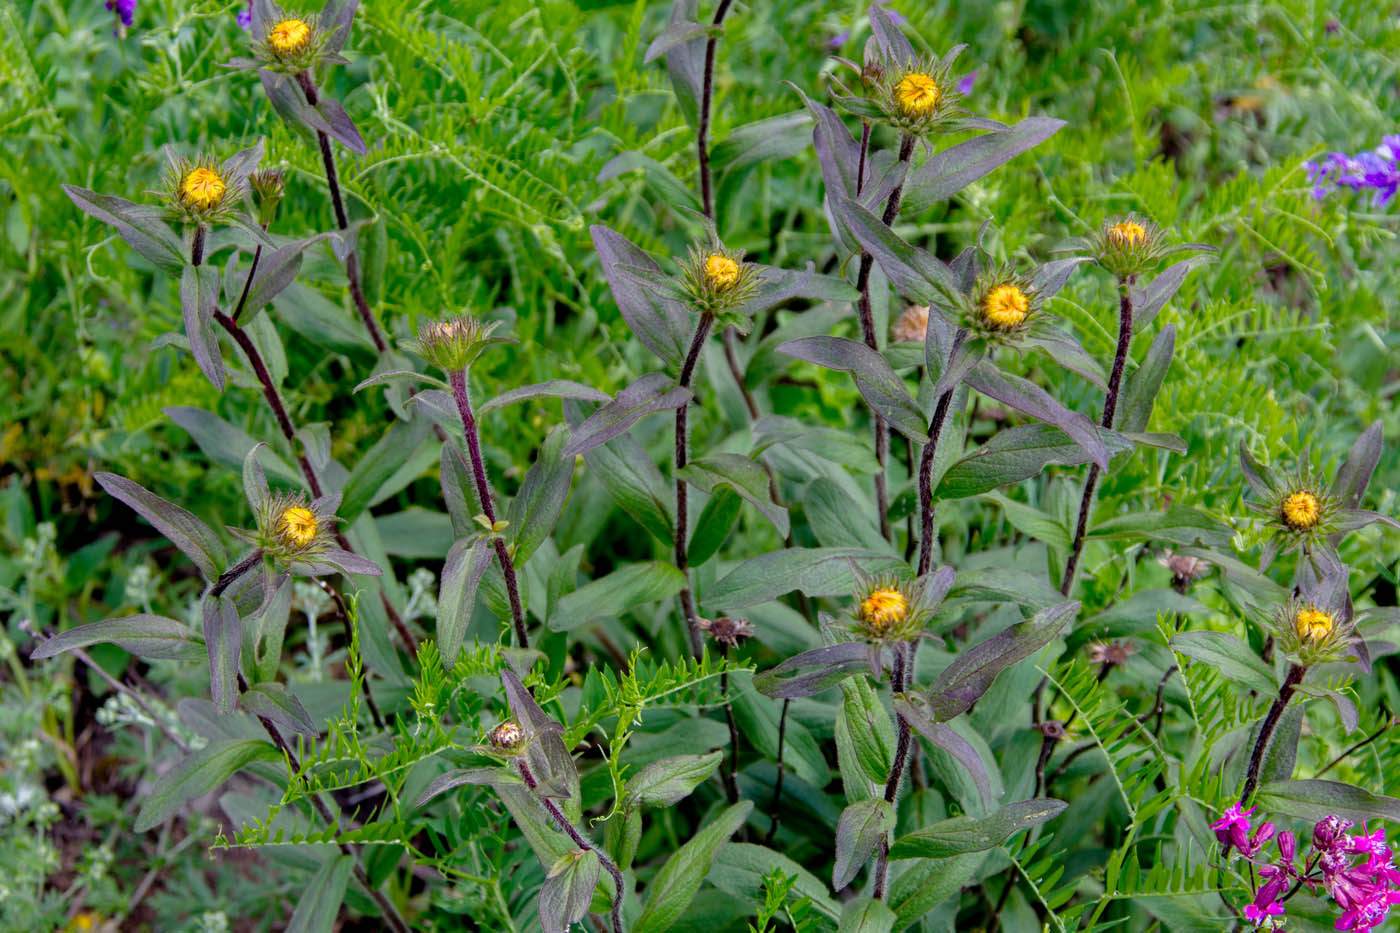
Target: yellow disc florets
(297, 526)
(721, 272)
(917, 95)
(202, 188)
(289, 37)
(883, 609)
(1005, 307)
(1300, 510)
(1313, 624)
(1127, 233)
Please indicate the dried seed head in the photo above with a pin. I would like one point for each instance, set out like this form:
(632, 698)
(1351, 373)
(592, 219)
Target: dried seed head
(1005, 307)
(1300, 510)
(289, 37)
(1183, 567)
(297, 527)
(884, 609)
(912, 325)
(721, 272)
(1314, 624)
(507, 737)
(1051, 729)
(1111, 654)
(917, 95)
(728, 631)
(202, 189)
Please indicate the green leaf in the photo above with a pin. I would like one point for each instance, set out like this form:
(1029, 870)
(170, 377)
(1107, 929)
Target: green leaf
(198, 774)
(776, 138)
(675, 34)
(838, 520)
(1230, 657)
(147, 636)
(199, 293)
(276, 270)
(1011, 455)
(815, 571)
(461, 575)
(319, 907)
(758, 721)
(1313, 800)
(228, 445)
(142, 226)
(379, 464)
(861, 827)
(1142, 386)
(666, 782)
(568, 890)
(459, 491)
(963, 834)
(918, 712)
(616, 593)
(1031, 521)
(274, 702)
(1178, 524)
(829, 665)
(741, 872)
(1152, 297)
(871, 734)
(929, 883)
(713, 526)
(223, 640)
(652, 393)
(866, 915)
(554, 388)
(674, 886)
(1029, 398)
(741, 474)
(878, 383)
(915, 273)
(953, 169)
(963, 682)
(535, 509)
(194, 538)
(633, 481)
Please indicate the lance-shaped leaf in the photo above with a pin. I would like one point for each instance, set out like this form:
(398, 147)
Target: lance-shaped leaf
(227, 444)
(664, 183)
(666, 782)
(963, 682)
(1261, 479)
(744, 476)
(917, 712)
(676, 884)
(778, 286)
(963, 834)
(685, 62)
(1230, 657)
(459, 491)
(1149, 299)
(1000, 585)
(194, 538)
(276, 270)
(652, 393)
(1314, 800)
(877, 381)
(814, 571)
(379, 464)
(867, 915)
(893, 46)
(339, 126)
(662, 325)
(1179, 524)
(1025, 396)
(536, 507)
(463, 777)
(633, 480)
(554, 388)
(1064, 348)
(776, 138)
(198, 774)
(814, 671)
(318, 910)
(673, 35)
(199, 291)
(837, 151)
(953, 169)
(568, 890)
(223, 640)
(143, 227)
(146, 636)
(1356, 471)
(335, 19)
(1011, 455)
(461, 575)
(916, 274)
(1142, 387)
(398, 375)
(274, 702)
(861, 827)
(616, 593)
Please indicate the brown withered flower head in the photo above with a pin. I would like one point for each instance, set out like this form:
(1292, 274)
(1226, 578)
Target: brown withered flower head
(1112, 653)
(912, 325)
(727, 631)
(1184, 568)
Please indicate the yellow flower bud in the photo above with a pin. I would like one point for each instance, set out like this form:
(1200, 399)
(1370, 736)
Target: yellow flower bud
(1313, 624)
(721, 272)
(1301, 510)
(883, 609)
(289, 37)
(1127, 233)
(1005, 307)
(297, 526)
(917, 95)
(202, 188)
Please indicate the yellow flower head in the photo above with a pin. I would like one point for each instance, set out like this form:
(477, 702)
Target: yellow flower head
(202, 188)
(297, 526)
(883, 609)
(1127, 233)
(1301, 510)
(917, 95)
(507, 737)
(289, 38)
(1005, 307)
(1313, 624)
(721, 272)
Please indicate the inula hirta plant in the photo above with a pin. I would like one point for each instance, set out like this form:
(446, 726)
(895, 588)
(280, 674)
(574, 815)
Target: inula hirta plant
(751, 665)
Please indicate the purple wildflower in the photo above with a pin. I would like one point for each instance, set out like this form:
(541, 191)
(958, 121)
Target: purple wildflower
(966, 82)
(125, 10)
(1377, 171)
(245, 16)
(1232, 829)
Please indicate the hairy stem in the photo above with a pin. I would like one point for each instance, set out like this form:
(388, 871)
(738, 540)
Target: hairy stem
(1110, 409)
(1266, 731)
(352, 263)
(935, 431)
(702, 133)
(867, 328)
(899, 682)
(682, 457)
(227, 578)
(580, 840)
(197, 246)
(483, 492)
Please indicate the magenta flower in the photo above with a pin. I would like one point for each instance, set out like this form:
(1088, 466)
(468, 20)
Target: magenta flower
(125, 10)
(1232, 829)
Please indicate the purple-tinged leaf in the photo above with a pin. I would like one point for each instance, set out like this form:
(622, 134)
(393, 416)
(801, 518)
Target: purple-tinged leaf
(1360, 465)
(859, 830)
(1314, 800)
(775, 138)
(274, 702)
(662, 325)
(652, 393)
(223, 639)
(339, 125)
(143, 227)
(1141, 387)
(554, 388)
(199, 292)
(463, 777)
(1011, 455)
(1051, 277)
(893, 46)
(194, 538)
(1260, 478)
(336, 17)
(677, 32)
(916, 711)
(963, 834)
(828, 666)
(879, 384)
(685, 62)
(535, 509)
(1029, 398)
(915, 273)
(1065, 349)
(146, 636)
(953, 169)
(1149, 299)
(744, 476)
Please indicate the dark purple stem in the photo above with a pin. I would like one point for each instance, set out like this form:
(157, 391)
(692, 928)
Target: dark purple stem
(682, 457)
(899, 682)
(702, 134)
(1266, 731)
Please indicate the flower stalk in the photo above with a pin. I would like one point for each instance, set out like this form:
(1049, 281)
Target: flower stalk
(580, 840)
(1110, 410)
(926, 510)
(899, 683)
(458, 379)
(1266, 730)
(682, 457)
